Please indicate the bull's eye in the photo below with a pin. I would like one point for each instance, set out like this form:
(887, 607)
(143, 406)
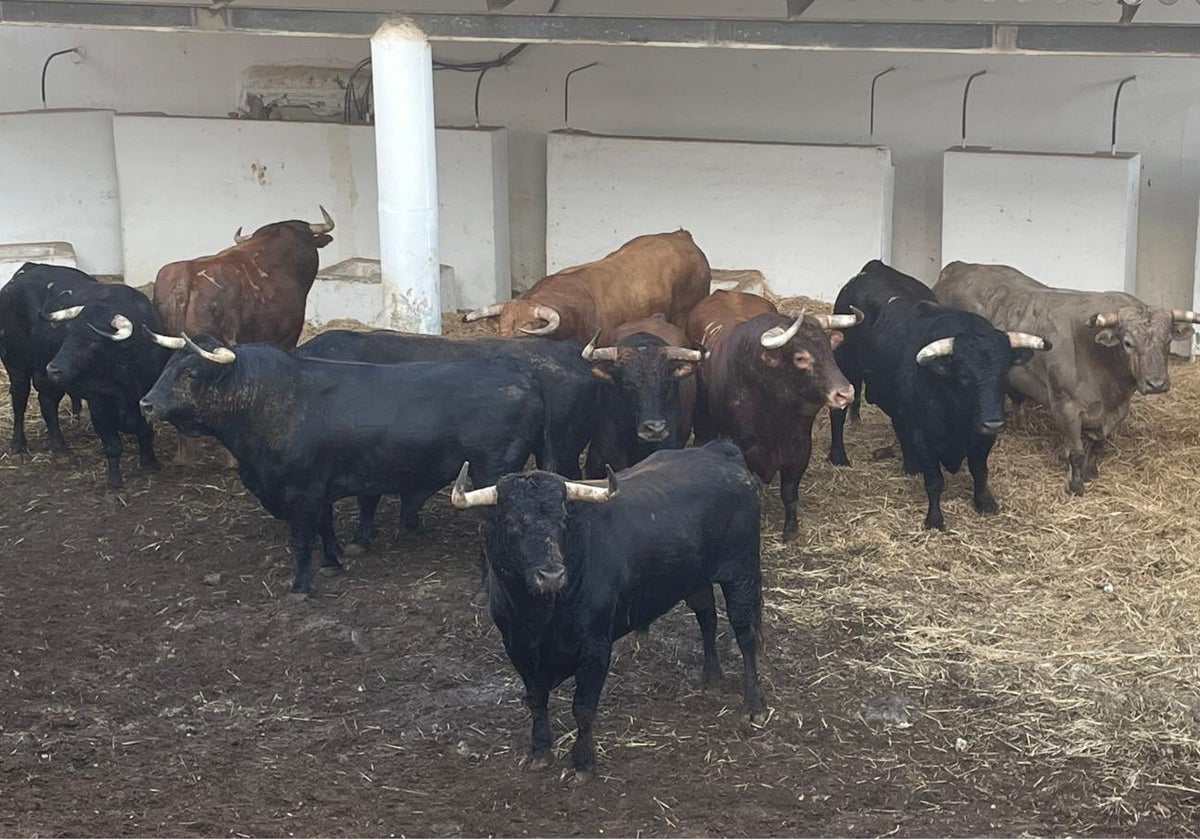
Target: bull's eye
(1128, 344)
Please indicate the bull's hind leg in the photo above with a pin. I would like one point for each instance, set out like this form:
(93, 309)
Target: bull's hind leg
(704, 605)
(410, 508)
(303, 531)
(934, 482)
(743, 604)
(329, 543)
(364, 530)
(1092, 452)
(589, 682)
(977, 455)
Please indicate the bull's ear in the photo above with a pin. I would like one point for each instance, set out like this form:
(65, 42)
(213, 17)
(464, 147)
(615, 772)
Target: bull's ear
(835, 338)
(1021, 356)
(599, 372)
(1182, 332)
(1108, 337)
(683, 370)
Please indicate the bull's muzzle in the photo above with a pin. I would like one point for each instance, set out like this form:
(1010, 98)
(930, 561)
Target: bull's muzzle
(991, 428)
(55, 373)
(549, 578)
(840, 397)
(1156, 386)
(147, 408)
(652, 431)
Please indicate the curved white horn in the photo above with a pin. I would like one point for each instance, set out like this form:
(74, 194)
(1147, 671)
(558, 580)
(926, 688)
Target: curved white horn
(1033, 342)
(123, 327)
(64, 314)
(463, 498)
(683, 354)
(578, 492)
(1185, 316)
(220, 356)
(550, 316)
(238, 238)
(1104, 319)
(592, 353)
(492, 310)
(322, 228)
(777, 336)
(841, 322)
(170, 341)
(940, 347)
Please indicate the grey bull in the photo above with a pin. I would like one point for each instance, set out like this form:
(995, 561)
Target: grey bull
(1107, 345)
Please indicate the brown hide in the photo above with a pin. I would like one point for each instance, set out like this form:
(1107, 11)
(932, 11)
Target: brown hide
(662, 272)
(252, 292)
(764, 399)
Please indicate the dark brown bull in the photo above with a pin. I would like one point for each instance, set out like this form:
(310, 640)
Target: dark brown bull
(648, 402)
(1107, 345)
(764, 381)
(660, 272)
(254, 291)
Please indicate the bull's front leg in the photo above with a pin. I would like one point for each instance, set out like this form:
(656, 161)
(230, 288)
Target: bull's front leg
(106, 426)
(1070, 426)
(18, 391)
(329, 542)
(789, 494)
(743, 606)
(48, 400)
(589, 682)
(977, 454)
(303, 524)
(147, 460)
(364, 530)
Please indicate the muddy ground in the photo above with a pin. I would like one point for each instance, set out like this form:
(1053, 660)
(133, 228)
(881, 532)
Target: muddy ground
(154, 679)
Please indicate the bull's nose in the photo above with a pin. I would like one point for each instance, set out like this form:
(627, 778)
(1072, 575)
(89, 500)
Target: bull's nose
(1157, 386)
(840, 397)
(652, 431)
(147, 408)
(991, 427)
(550, 578)
(54, 372)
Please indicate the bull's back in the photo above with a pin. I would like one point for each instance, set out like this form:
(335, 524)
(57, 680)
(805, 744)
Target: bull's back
(711, 319)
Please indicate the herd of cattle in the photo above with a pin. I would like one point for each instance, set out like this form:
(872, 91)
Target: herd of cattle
(628, 358)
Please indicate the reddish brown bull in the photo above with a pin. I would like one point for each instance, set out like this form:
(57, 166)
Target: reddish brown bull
(764, 381)
(254, 291)
(661, 272)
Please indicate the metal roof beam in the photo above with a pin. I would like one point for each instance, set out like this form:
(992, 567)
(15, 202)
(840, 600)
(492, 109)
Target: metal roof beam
(745, 33)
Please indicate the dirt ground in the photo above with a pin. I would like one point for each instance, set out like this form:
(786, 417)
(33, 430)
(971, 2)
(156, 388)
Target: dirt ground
(155, 680)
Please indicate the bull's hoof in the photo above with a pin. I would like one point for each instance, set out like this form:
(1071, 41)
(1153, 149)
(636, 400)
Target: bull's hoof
(355, 550)
(838, 458)
(1075, 487)
(935, 523)
(1091, 472)
(151, 466)
(536, 763)
(19, 457)
(711, 677)
(298, 595)
(332, 569)
(577, 777)
(986, 504)
(790, 533)
(757, 718)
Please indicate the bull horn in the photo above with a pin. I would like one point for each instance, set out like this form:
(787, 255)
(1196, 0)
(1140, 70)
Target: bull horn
(841, 322)
(492, 310)
(239, 239)
(1185, 316)
(220, 356)
(122, 329)
(683, 354)
(592, 353)
(934, 349)
(777, 336)
(171, 341)
(1033, 342)
(322, 228)
(1104, 319)
(550, 316)
(64, 314)
(579, 492)
(462, 498)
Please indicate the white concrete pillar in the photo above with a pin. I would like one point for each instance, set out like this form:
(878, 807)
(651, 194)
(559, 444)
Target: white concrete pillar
(402, 73)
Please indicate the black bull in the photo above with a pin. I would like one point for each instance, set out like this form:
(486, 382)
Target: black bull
(576, 566)
(567, 385)
(938, 373)
(307, 432)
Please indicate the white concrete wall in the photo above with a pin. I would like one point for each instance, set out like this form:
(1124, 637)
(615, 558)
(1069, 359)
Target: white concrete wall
(807, 217)
(1067, 220)
(58, 183)
(208, 177)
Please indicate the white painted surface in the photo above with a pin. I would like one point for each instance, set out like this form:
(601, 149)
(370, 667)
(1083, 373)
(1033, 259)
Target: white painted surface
(58, 182)
(406, 158)
(353, 289)
(807, 217)
(209, 177)
(1067, 220)
(12, 257)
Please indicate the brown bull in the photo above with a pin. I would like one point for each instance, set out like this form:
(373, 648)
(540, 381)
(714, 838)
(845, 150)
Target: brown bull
(661, 272)
(254, 291)
(764, 381)
(1106, 345)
